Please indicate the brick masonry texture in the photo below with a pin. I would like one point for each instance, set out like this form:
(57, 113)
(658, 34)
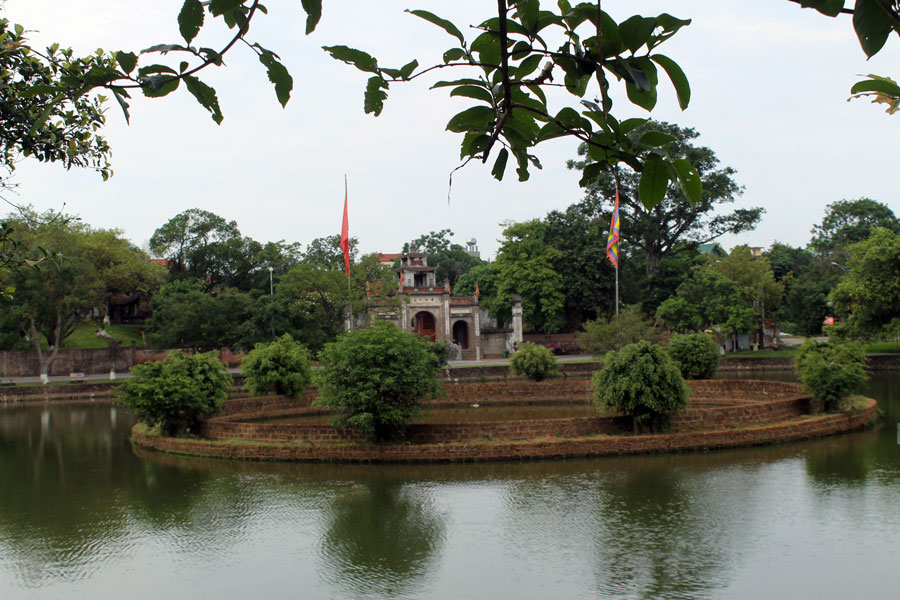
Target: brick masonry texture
(725, 414)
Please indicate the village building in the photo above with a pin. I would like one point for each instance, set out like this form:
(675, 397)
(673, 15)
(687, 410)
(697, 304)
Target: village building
(429, 309)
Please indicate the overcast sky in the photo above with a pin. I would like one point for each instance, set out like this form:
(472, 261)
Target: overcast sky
(769, 87)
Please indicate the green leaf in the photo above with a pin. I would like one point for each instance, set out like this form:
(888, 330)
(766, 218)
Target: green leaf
(441, 84)
(472, 91)
(678, 78)
(831, 8)
(453, 54)
(407, 69)
(373, 100)
(656, 138)
(120, 96)
(205, 95)
(476, 118)
(473, 143)
(45, 114)
(500, 164)
(528, 66)
(220, 7)
(359, 59)
(442, 23)
(528, 12)
(654, 182)
(872, 24)
(190, 19)
(487, 46)
(40, 89)
(522, 169)
(126, 60)
(689, 180)
(164, 48)
(313, 10)
(883, 85)
(278, 75)
(635, 31)
(158, 80)
(549, 131)
(590, 174)
(646, 99)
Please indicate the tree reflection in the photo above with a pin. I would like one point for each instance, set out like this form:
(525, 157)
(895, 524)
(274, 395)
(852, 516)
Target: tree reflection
(382, 536)
(59, 470)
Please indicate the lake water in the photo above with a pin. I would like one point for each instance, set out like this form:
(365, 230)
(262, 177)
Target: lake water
(81, 516)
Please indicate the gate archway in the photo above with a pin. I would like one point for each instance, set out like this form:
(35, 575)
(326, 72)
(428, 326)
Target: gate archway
(423, 324)
(461, 334)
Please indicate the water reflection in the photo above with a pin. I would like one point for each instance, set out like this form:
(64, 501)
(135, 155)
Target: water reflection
(58, 470)
(381, 539)
(82, 516)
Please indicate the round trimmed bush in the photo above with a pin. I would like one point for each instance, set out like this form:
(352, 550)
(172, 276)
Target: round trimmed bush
(831, 371)
(696, 355)
(376, 378)
(280, 367)
(176, 393)
(642, 381)
(534, 362)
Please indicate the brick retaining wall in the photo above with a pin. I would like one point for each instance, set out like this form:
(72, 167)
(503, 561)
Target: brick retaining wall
(739, 405)
(602, 445)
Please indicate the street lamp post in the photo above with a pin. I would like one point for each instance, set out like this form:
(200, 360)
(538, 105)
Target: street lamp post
(271, 285)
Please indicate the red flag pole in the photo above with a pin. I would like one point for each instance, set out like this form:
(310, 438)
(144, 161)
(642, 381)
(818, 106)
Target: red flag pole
(345, 233)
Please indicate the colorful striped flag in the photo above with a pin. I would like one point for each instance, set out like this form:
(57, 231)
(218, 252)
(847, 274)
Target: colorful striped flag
(612, 242)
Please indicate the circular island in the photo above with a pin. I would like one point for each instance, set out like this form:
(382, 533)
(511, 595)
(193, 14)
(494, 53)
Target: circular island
(722, 414)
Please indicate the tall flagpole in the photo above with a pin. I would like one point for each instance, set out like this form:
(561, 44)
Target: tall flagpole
(345, 246)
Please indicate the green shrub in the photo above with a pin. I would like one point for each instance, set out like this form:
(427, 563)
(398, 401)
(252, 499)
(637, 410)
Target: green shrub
(831, 371)
(375, 379)
(696, 355)
(629, 326)
(441, 352)
(176, 393)
(642, 381)
(279, 367)
(534, 362)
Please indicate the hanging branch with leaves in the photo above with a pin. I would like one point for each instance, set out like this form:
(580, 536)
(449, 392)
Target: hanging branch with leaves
(524, 52)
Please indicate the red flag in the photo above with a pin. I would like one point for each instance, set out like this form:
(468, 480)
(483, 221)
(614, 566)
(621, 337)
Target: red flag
(345, 234)
(476, 290)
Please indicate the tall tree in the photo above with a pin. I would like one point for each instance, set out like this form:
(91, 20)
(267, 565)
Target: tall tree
(525, 268)
(182, 239)
(326, 252)
(808, 279)
(848, 222)
(89, 266)
(755, 283)
(868, 295)
(673, 225)
(588, 277)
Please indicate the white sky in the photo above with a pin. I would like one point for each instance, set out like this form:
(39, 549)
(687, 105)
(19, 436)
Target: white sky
(769, 87)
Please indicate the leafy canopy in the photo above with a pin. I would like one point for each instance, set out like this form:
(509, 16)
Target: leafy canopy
(697, 355)
(831, 371)
(176, 393)
(534, 362)
(279, 367)
(642, 381)
(376, 378)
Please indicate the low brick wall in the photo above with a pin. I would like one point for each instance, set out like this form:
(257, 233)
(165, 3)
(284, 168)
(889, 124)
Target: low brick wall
(548, 448)
(781, 401)
(37, 394)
